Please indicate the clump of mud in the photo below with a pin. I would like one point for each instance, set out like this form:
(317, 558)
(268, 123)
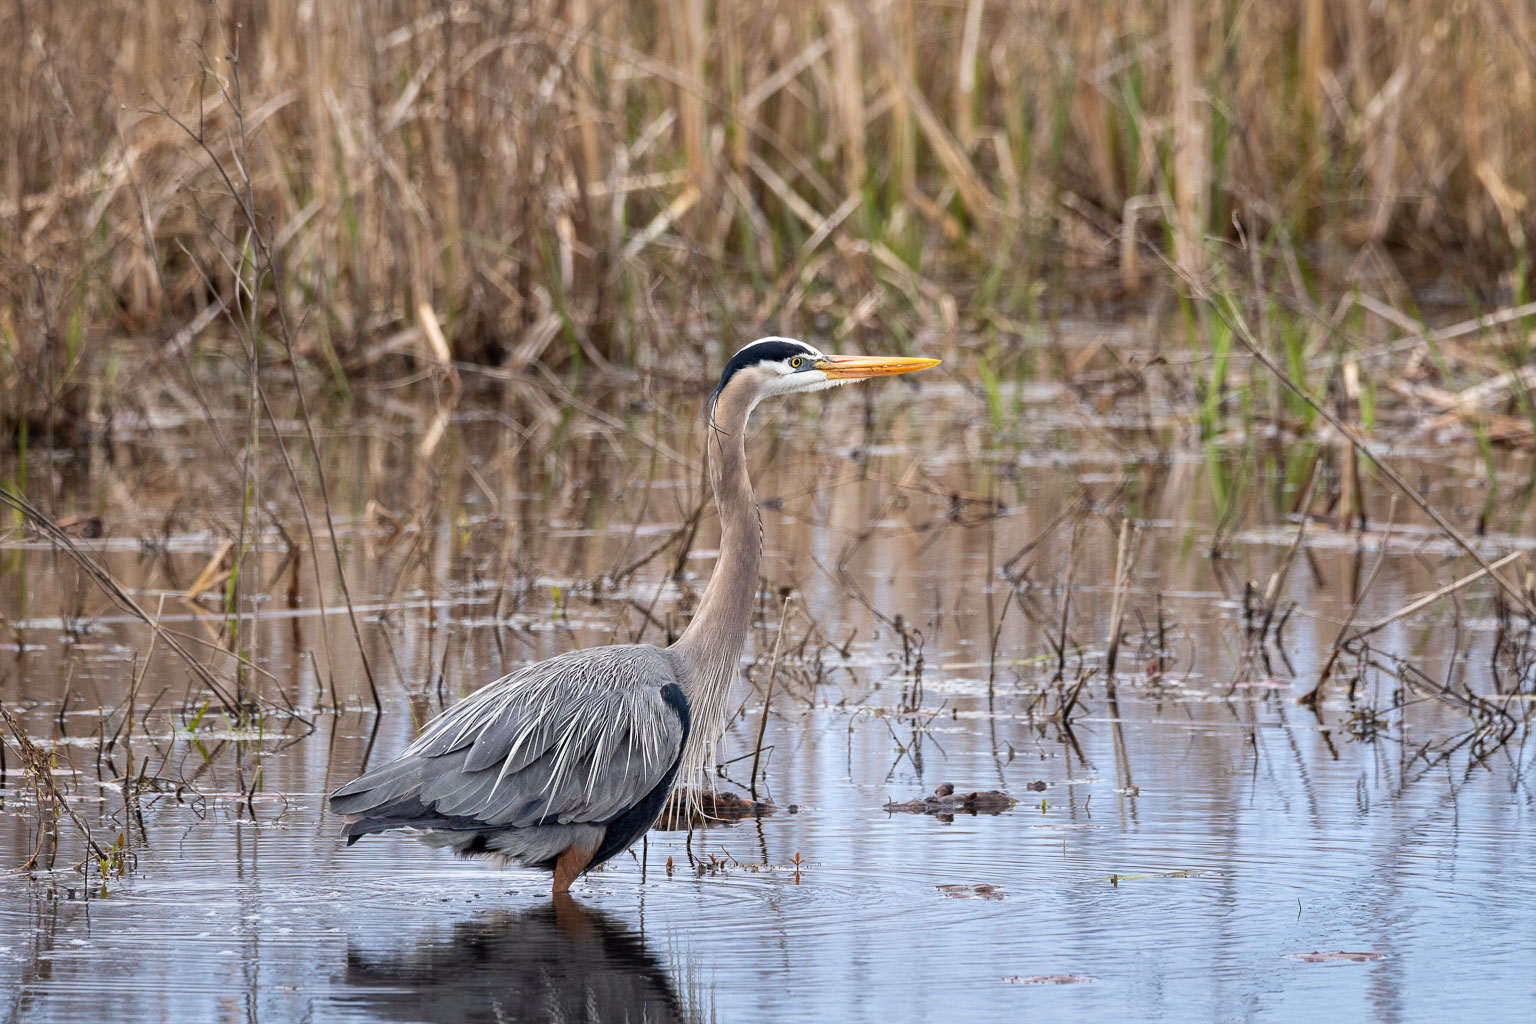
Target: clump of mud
(944, 800)
(700, 808)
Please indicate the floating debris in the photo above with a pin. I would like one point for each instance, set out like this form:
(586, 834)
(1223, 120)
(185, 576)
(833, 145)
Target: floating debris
(1335, 958)
(1051, 979)
(946, 801)
(695, 808)
(1068, 826)
(975, 891)
(1115, 880)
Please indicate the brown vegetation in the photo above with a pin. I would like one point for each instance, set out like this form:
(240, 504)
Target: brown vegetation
(589, 181)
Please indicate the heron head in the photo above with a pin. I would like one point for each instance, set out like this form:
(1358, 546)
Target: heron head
(785, 366)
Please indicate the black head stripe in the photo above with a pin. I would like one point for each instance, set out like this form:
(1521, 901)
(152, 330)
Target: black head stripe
(771, 351)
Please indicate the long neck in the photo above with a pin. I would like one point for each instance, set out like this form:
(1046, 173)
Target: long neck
(724, 615)
(709, 650)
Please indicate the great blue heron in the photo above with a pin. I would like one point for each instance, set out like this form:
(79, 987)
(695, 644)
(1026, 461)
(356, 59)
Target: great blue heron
(564, 764)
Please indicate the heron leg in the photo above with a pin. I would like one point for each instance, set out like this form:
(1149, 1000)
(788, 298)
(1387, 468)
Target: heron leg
(570, 864)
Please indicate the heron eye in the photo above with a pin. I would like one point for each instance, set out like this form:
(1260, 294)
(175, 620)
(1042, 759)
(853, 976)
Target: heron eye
(794, 363)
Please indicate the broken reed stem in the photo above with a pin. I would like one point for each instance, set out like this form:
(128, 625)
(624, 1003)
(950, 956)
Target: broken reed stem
(1066, 605)
(762, 726)
(1351, 500)
(1064, 716)
(1429, 599)
(1162, 635)
(1124, 560)
(138, 681)
(1277, 578)
(996, 631)
(997, 634)
(1311, 698)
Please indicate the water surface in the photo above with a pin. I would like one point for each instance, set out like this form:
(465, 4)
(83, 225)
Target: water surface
(1174, 848)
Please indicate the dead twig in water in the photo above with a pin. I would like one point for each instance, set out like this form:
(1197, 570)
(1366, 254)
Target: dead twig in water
(1311, 698)
(38, 765)
(1429, 599)
(762, 726)
(1064, 715)
(1125, 561)
(1066, 608)
(1071, 509)
(1277, 578)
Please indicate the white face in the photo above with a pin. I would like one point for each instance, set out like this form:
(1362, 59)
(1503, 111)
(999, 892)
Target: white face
(789, 373)
(786, 366)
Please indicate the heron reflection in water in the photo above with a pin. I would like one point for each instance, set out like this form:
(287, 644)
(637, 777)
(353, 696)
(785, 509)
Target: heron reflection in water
(564, 764)
(560, 961)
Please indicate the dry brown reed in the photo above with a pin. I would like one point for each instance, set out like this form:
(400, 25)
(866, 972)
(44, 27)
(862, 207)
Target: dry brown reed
(547, 176)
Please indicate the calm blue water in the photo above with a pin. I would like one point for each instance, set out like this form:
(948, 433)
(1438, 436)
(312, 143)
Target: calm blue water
(1190, 840)
(1282, 849)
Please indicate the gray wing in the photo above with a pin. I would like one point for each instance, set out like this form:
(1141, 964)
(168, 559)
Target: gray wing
(579, 738)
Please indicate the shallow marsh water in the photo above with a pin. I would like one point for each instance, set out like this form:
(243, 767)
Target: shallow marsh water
(1175, 854)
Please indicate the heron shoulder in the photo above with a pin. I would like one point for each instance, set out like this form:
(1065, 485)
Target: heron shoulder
(619, 666)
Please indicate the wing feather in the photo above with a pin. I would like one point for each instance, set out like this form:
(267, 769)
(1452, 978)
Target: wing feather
(579, 738)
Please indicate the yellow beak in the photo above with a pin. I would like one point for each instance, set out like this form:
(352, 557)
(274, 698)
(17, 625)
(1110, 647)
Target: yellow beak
(855, 367)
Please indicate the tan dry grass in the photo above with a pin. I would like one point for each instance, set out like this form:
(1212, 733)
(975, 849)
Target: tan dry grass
(589, 180)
